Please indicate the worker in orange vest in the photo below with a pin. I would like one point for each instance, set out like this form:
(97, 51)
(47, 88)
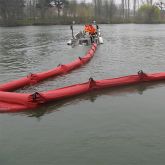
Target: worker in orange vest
(91, 30)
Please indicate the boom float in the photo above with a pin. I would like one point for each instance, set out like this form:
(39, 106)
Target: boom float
(14, 102)
(59, 70)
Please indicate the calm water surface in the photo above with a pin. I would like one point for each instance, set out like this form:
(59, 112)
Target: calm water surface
(124, 126)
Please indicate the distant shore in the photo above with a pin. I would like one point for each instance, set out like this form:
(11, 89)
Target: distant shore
(69, 20)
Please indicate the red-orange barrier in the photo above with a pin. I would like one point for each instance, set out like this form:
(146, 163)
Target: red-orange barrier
(13, 102)
(61, 69)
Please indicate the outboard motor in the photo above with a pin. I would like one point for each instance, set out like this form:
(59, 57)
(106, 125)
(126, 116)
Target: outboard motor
(100, 39)
(69, 42)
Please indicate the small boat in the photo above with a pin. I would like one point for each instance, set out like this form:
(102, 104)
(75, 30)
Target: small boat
(91, 34)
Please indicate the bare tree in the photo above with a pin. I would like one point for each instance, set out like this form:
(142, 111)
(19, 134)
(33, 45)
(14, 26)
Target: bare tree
(11, 10)
(42, 6)
(134, 8)
(123, 8)
(128, 9)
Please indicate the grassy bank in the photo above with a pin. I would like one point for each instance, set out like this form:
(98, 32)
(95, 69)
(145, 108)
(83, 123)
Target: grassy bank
(69, 20)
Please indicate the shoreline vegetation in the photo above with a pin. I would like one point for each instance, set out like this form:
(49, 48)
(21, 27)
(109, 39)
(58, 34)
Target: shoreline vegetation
(79, 21)
(64, 12)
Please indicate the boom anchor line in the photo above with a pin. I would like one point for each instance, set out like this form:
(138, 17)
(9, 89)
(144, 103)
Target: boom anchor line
(92, 83)
(37, 98)
(142, 75)
(33, 78)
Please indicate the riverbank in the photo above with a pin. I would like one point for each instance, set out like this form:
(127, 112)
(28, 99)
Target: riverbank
(69, 20)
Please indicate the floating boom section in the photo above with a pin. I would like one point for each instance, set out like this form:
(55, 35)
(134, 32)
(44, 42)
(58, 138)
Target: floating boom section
(61, 69)
(14, 102)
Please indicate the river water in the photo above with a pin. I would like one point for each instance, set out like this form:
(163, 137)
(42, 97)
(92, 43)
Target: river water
(113, 126)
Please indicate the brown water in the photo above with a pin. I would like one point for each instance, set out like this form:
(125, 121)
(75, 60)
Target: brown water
(115, 126)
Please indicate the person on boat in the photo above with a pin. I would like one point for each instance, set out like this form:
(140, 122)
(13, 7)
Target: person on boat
(91, 30)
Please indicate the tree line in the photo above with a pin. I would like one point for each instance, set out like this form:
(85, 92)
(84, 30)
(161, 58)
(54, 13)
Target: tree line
(28, 12)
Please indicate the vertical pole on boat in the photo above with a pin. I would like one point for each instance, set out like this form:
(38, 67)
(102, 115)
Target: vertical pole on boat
(71, 27)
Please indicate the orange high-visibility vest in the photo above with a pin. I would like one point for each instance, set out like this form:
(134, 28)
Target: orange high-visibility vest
(90, 29)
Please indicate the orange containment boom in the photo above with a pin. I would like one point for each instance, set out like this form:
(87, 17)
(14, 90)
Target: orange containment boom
(14, 102)
(61, 69)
